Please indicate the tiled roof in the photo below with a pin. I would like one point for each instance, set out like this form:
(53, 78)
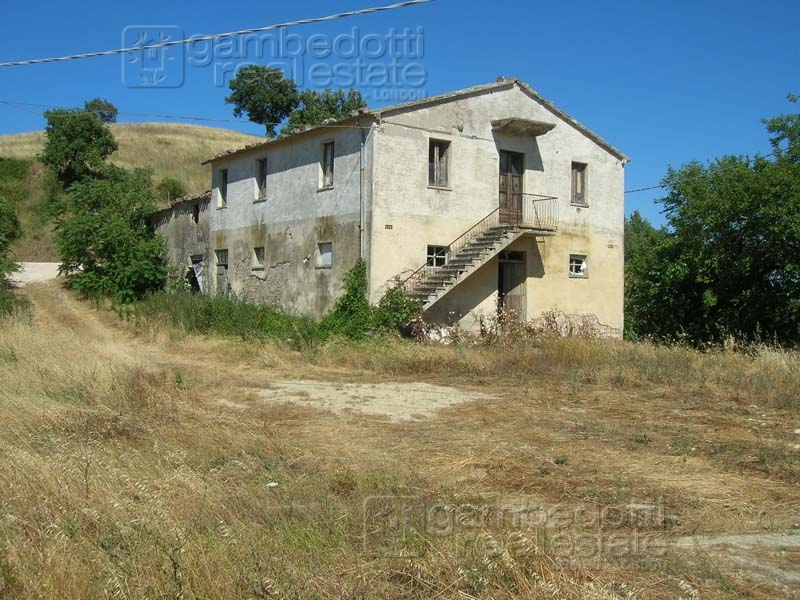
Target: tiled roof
(501, 83)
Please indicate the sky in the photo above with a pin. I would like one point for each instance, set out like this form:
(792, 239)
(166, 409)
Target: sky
(665, 82)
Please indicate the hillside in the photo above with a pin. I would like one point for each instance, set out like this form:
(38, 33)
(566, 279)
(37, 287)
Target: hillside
(169, 149)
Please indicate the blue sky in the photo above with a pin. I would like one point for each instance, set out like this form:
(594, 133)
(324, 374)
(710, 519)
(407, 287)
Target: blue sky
(665, 82)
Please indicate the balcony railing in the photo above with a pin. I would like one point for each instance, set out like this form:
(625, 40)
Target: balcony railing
(530, 211)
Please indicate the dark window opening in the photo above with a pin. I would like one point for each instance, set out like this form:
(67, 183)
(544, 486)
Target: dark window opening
(438, 159)
(437, 256)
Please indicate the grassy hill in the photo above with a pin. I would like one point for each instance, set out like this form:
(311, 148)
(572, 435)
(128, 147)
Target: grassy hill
(169, 149)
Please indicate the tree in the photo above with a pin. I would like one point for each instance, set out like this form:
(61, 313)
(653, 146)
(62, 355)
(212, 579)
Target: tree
(77, 144)
(9, 231)
(102, 109)
(316, 107)
(730, 262)
(105, 243)
(642, 242)
(264, 95)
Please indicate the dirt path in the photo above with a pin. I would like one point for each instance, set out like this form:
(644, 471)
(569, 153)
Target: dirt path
(34, 272)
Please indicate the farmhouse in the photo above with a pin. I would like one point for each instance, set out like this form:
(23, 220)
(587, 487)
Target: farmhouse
(484, 198)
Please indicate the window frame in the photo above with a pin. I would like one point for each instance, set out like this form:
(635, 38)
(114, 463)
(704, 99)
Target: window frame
(218, 253)
(261, 179)
(222, 188)
(435, 163)
(579, 171)
(434, 254)
(259, 263)
(321, 264)
(327, 159)
(584, 273)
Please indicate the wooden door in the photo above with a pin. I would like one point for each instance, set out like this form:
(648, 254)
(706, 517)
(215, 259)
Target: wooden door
(511, 170)
(511, 275)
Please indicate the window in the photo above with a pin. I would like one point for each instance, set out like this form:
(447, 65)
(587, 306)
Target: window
(437, 256)
(261, 178)
(325, 260)
(223, 188)
(195, 213)
(222, 257)
(438, 157)
(327, 165)
(579, 197)
(578, 265)
(259, 257)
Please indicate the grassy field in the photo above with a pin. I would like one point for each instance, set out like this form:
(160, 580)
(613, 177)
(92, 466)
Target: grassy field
(169, 149)
(140, 461)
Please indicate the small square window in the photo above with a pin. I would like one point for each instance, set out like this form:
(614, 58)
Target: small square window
(579, 196)
(437, 256)
(578, 265)
(328, 150)
(325, 259)
(438, 159)
(222, 257)
(222, 184)
(259, 257)
(261, 178)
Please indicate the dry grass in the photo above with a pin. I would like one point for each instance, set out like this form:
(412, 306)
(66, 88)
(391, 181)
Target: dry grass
(170, 149)
(123, 477)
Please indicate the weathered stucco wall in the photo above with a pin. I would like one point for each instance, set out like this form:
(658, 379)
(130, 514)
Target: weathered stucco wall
(407, 214)
(296, 215)
(186, 238)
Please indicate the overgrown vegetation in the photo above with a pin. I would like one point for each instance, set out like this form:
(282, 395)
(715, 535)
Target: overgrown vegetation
(728, 262)
(12, 176)
(220, 315)
(352, 316)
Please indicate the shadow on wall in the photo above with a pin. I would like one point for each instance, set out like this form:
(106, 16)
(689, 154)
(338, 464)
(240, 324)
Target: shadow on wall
(478, 293)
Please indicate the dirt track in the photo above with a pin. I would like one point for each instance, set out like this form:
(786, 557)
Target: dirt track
(33, 272)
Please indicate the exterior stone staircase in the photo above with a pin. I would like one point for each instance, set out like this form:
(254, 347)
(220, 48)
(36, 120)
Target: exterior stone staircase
(478, 245)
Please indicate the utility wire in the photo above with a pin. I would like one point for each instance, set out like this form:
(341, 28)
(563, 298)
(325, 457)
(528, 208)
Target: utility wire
(76, 112)
(702, 175)
(205, 38)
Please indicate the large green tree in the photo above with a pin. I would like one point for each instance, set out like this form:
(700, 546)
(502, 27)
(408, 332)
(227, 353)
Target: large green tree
(106, 245)
(264, 95)
(730, 262)
(316, 107)
(77, 144)
(102, 109)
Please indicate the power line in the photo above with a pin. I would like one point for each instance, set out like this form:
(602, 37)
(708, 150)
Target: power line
(79, 111)
(702, 175)
(167, 44)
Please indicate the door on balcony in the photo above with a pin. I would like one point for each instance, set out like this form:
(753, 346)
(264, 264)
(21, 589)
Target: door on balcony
(511, 170)
(511, 285)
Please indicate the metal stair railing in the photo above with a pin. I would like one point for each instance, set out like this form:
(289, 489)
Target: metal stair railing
(535, 212)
